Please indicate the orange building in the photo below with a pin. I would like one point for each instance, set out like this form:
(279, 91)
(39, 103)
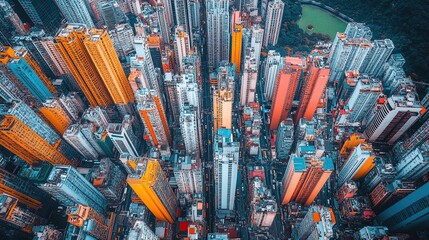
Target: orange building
(167, 59)
(350, 144)
(70, 43)
(151, 185)
(153, 116)
(236, 45)
(55, 115)
(313, 88)
(102, 52)
(79, 216)
(284, 90)
(28, 145)
(304, 178)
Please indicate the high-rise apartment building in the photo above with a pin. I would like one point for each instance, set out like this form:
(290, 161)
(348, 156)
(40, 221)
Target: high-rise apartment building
(415, 164)
(218, 32)
(377, 56)
(109, 179)
(57, 117)
(418, 137)
(284, 90)
(111, 14)
(69, 187)
(123, 136)
(154, 119)
(21, 189)
(318, 223)
(190, 129)
(270, 68)
(16, 215)
(102, 52)
(164, 25)
(249, 78)
(410, 213)
(182, 45)
(70, 43)
(28, 117)
(44, 14)
(273, 22)
(313, 87)
(305, 177)
(357, 165)
(236, 46)
(226, 154)
(11, 21)
(188, 175)
(349, 50)
(29, 73)
(395, 117)
(223, 97)
(122, 37)
(74, 136)
(284, 139)
(75, 11)
(20, 139)
(141, 231)
(152, 187)
(181, 14)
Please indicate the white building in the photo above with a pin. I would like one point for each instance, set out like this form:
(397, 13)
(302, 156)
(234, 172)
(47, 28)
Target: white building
(377, 57)
(188, 175)
(271, 67)
(75, 11)
(141, 231)
(181, 12)
(77, 140)
(123, 137)
(414, 164)
(189, 128)
(356, 160)
(396, 116)
(249, 78)
(363, 98)
(181, 45)
(273, 22)
(122, 37)
(226, 154)
(317, 224)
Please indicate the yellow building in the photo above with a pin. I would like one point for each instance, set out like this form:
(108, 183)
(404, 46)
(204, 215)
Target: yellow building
(102, 52)
(27, 144)
(152, 187)
(55, 115)
(351, 143)
(236, 45)
(70, 43)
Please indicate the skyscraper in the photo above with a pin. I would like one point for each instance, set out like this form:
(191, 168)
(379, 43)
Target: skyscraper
(164, 25)
(154, 119)
(56, 115)
(377, 56)
(397, 115)
(188, 175)
(151, 186)
(226, 154)
(181, 45)
(124, 137)
(69, 187)
(273, 22)
(75, 11)
(284, 139)
(71, 46)
(100, 49)
(415, 164)
(20, 139)
(349, 50)
(313, 88)
(410, 213)
(249, 78)
(88, 221)
(29, 73)
(78, 141)
(44, 14)
(270, 68)
(284, 91)
(236, 45)
(181, 14)
(122, 37)
(111, 14)
(305, 177)
(218, 32)
(357, 165)
(190, 130)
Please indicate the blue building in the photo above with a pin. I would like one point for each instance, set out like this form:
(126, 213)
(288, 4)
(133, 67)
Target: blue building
(410, 213)
(69, 187)
(22, 70)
